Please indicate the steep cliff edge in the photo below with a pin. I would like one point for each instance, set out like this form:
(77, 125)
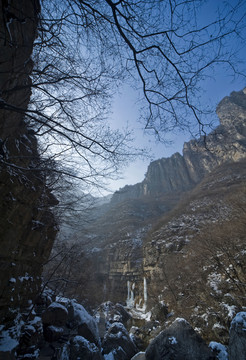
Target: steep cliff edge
(27, 227)
(181, 173)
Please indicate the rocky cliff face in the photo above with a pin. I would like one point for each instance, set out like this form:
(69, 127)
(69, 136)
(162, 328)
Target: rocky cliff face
(143, 250)
(181, 173)
(27, 227)
(194, 258)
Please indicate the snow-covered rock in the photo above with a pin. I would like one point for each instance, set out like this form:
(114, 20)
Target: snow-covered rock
(219, 350)
(237, 339)
(118, 344)
(56, 314)
(83, 322)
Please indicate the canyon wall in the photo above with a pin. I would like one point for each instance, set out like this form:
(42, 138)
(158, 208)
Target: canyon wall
(27, 226)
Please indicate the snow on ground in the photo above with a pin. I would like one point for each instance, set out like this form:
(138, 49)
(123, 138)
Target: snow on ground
(230, 308)
(7, 343)
(214, 281)
(9, 339)
(137, 314)
(62, 299)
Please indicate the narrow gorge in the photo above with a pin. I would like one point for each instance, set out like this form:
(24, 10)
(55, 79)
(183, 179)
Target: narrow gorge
(156, 271)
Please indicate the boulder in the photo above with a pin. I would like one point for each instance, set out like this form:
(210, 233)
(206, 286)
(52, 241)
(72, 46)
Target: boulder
(180, 342)
(118, 342)
(80, 348)
(237, 337)
(79, 319)
(219, 350)
(56, 314)
(53, 333)
(113, 312)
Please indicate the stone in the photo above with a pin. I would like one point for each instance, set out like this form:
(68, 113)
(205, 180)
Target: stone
(80, 348)
(53, 333)
(118, 342)
(219, 350)
(83, 322)
(180, 342)
(237, 337)
(56, 314)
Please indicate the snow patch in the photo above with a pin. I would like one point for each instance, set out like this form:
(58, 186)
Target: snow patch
(7, 343)
(220, 349)
(231, 310)
(109, 356)
(26, 278)
(172, 340)
(62, 299)
(181, 320)
(214, 280)
(218, 326)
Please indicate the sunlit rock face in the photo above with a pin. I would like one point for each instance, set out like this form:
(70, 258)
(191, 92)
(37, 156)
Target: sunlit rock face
(27, 227)
(180, 173)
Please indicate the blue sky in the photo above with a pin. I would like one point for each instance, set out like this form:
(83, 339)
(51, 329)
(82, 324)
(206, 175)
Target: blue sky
(125, 108)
